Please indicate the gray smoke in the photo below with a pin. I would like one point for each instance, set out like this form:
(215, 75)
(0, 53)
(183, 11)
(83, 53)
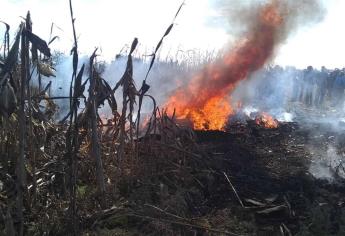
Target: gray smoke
(327, 164)
(241, 15)
(60, 85)
(164, 77)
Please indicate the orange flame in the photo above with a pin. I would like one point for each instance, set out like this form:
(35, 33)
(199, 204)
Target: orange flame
(205, 101)
(211, 116)
(266, 121)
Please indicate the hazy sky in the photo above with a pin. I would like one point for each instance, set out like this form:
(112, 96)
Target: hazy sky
(111, 24)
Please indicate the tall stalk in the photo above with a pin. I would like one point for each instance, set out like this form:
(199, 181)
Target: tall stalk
(95, 144)
(72, 134)
(32, 152)
(21, 182)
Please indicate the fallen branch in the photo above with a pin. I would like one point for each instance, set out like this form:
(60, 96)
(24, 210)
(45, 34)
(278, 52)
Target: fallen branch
(233, 189)
(285, 230)
(165, 212)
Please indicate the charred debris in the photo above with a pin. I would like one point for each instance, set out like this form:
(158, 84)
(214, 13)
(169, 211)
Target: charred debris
(87, 176)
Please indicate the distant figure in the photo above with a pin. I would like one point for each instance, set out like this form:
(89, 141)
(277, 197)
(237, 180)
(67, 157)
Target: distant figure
(309, 85)
(330, 83)
(296, 83)
(321, 84)
(277, 84)
(338, 88)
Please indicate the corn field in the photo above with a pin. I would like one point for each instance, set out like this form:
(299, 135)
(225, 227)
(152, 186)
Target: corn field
(60, 177)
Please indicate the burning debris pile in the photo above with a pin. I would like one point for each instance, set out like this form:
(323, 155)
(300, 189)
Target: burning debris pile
(266, 121)
(206, 99)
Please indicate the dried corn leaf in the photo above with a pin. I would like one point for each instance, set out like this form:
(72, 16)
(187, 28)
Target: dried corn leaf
(39, 43)
(12, 57)
(145, 87)
(111, 97)
(79, 88)
(7, 37)
(179, 9)
(53, 39)
(8, 100)
(134, 45)
(45, 69)
(168, 30)
(7, 26)
(74, 52)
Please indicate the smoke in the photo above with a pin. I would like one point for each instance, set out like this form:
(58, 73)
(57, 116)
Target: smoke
(270, 90)
(242, 15)
(326, 164)
(60, 85)
(163, 78)
(165, 75)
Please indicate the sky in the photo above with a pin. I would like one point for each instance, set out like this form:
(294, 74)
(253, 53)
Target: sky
(110, 25)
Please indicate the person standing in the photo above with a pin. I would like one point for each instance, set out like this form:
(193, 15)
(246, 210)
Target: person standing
(338, 88)
(309, 85)
(321, 86)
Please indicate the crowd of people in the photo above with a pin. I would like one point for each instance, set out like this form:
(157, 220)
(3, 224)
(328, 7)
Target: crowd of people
(313, 87)
(310, 86)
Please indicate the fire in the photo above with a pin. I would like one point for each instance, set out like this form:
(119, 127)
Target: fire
(266, 121)
(211, 116)
(145, 122)
(205, 101)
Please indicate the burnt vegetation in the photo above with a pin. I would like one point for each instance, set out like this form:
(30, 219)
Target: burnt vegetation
(83, 175)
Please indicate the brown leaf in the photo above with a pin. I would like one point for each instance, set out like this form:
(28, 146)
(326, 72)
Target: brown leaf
(39, 43)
